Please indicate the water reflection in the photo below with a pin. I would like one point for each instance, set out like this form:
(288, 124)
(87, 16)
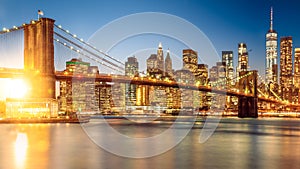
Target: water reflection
(24, 145)
(237, 143)
(21, 145)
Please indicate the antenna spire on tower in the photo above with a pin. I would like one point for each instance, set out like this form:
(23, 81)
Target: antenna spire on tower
(271, 19)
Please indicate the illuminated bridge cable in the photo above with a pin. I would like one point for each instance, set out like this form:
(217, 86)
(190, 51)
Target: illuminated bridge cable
(78, 51)
(224, 81)
(95, 55)
(14, 28)
(87, 44)
(275, 94)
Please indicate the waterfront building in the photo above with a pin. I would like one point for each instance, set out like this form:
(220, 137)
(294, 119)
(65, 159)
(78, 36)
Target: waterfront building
(243, 64)
(131, 70)
(160, 59)
(297, 67)
(142, 95)
(168, 65)
(131, 67)
(296, 75)
(271, 53)
(152, 67)
(202, 80)
(221, 69)
(186, 96)
(213, 74)
(78, 95)
(286, 67)
(31, 108)
(190, 60)
(105, 97)
(201, 74)
(217, 80)
(227, 57)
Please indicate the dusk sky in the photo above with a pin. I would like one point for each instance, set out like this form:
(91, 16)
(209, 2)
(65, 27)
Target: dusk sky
(225, 23)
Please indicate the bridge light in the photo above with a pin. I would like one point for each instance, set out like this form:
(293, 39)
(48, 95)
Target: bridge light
(4, 29)
(67, 31)
(81, 40)
(59, 26)
(57, 40)
(74, 36)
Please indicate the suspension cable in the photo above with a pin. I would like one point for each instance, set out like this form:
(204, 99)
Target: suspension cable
(78, 51)
(95, 55)
(82, 41)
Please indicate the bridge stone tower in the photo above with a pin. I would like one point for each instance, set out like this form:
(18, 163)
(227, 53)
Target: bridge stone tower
(247, 105)
(39, 58)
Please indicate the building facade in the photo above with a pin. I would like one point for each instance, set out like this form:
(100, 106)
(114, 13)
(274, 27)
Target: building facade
(202, 74)
(152, 66)
(297, 68)
(286, 67)
(271, 54)
(190, 60)
(160, 59)
(227, 58)
(168, 65)
(78, 94)
(243, 64)
(131, 70)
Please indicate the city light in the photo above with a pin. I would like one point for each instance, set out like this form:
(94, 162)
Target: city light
(160, 74)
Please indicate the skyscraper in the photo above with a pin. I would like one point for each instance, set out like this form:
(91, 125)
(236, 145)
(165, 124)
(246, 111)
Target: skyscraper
(168, 65)
(78, 94)
(131, 70)
(131, 67)
(271, 53)
(202, 74)
(190, 60)
(297, 68)
(227, 57)
(160, 59)
(243, 63)
(296, 89)
(221, 72)
(286, 67)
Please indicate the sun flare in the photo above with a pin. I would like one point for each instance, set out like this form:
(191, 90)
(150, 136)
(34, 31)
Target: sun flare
(17, 88)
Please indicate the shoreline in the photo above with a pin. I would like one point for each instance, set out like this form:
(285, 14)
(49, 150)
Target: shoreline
(87, 119)
(43, 120)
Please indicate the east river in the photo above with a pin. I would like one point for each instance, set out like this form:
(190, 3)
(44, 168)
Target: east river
(236, 143)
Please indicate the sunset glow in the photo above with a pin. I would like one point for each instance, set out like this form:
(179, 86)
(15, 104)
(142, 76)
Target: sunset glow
(16, 88)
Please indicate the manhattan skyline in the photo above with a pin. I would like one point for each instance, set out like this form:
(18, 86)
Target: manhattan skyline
(225, 23)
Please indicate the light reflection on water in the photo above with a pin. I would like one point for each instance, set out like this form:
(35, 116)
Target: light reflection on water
(21, 145)
(237, 143)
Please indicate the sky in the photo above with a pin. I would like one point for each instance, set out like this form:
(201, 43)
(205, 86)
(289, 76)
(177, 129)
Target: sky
(225, 22)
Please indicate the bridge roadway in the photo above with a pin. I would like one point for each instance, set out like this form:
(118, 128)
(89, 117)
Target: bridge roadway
(19, 73)
(155, 82)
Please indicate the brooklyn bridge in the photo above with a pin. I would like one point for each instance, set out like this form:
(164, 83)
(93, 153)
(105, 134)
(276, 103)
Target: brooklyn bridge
(83, 88)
